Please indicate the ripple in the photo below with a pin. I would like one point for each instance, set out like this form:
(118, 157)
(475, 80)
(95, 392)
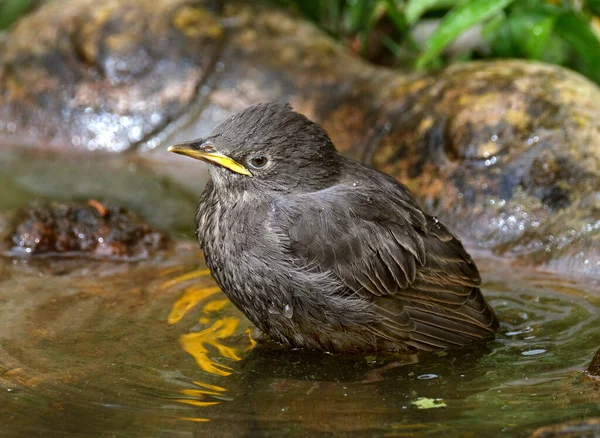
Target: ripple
(157, 349)
(533, 352)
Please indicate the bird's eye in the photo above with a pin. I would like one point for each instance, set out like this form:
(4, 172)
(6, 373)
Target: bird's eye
(258, 161)
(207, 147)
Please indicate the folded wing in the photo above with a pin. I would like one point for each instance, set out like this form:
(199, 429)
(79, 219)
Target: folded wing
(421, 281)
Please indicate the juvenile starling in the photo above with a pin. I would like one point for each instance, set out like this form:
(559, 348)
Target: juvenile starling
(324, 253)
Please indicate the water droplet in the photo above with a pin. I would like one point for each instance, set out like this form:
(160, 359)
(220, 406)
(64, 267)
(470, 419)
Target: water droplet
(427, 376)
(520, 332)
(533, 352)
(288, 311)
(354, 184)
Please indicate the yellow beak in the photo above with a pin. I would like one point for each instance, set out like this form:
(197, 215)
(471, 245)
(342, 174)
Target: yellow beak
(209, 157)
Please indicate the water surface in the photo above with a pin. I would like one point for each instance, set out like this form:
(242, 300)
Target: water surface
(153, 348)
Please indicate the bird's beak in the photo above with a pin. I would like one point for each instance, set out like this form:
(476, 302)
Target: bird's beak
(210, 157)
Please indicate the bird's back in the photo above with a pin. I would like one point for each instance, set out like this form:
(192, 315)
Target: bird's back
(369, 234)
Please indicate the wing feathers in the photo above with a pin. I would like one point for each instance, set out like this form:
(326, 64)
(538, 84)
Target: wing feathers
(421, 281)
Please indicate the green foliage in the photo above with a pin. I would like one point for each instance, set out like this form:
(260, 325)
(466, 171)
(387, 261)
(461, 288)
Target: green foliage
(559, 31)
(554, 31)
(460, 18)
(10, 10)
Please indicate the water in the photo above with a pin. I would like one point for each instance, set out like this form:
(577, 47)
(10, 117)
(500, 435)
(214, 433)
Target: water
(154, 348)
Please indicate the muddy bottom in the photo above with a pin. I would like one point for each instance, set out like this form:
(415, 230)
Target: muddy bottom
(153, 348)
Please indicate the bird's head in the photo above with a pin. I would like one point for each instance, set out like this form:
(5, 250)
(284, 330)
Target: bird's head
(268, 146)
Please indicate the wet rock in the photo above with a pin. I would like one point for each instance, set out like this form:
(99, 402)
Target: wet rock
(593, 370)
(139, 181)
(505, 152)
(103, 75)
(68, 229)
(570, 429)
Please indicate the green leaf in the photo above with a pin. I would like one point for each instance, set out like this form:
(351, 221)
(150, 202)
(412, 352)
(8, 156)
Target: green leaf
(416, 8)
(399, 20)
(395, 15)
(10, 10)
(428, 403)
(355, 15)
(525, 35)
(457, 21)
(537, 36)
(559, 50)
(490, 29)
(576, 31)
(361, 18)
(593, 6)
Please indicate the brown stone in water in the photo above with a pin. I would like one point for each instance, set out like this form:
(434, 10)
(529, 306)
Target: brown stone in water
(68, 229)
(593, 370)
(103, 75)
(570, 429)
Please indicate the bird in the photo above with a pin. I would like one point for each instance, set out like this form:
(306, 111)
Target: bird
(324, 253)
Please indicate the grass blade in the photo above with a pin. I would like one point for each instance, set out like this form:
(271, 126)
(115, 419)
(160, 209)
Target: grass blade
(457, 21)
(10, 10)
(577, 32)
(416, 8)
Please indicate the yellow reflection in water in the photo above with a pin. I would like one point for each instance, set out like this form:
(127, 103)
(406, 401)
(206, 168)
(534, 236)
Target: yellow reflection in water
(198, 419)
(200, 393)
(198, 273)
(191, 297)
(206, 346)
(196, 344)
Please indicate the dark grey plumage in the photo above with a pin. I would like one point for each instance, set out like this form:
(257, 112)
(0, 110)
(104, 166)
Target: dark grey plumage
(324, 253)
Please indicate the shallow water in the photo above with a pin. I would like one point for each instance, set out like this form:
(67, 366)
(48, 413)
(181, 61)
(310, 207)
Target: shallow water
(154, 348)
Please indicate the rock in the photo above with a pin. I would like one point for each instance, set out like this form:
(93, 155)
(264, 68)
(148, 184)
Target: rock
(103, 75)
(593, 371)
(91, 230)
(570, 429)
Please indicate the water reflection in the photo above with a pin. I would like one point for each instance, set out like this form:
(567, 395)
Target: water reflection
(520, 374)
(207, 342)
(154, 348)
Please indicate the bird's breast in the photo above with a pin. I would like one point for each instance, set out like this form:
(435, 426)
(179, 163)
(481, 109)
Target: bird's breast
(229, 228)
